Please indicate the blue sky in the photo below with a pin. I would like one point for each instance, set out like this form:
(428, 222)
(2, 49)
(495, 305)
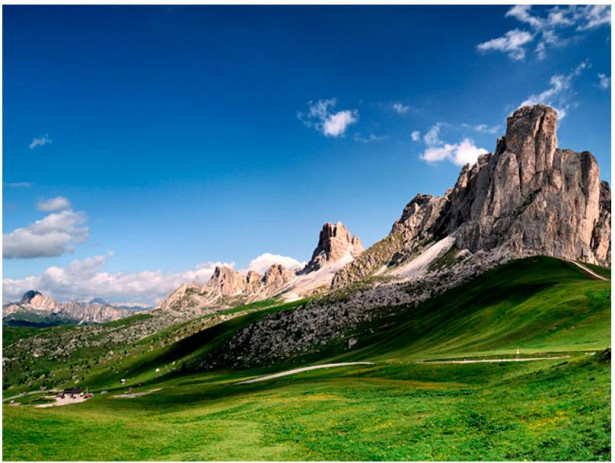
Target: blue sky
(172, 138)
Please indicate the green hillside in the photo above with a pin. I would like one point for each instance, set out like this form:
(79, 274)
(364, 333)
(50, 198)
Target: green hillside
(401, 407)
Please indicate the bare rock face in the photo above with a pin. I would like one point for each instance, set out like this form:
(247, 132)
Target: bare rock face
(335, 243)
(528, 197)
(276, 277)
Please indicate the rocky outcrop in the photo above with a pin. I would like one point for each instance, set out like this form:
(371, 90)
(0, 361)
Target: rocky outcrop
(528, 197)
(334, 243)
(227, 288)
(37, 308)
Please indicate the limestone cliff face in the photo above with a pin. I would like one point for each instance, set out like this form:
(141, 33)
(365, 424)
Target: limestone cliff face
(530, 196)
(527, 197)
(334, 243)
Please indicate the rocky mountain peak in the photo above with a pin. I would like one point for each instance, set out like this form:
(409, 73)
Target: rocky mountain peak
(28, 296)
(334, 243)
(528, 197)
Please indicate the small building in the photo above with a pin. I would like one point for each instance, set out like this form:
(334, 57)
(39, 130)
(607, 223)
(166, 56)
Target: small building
(71, 391)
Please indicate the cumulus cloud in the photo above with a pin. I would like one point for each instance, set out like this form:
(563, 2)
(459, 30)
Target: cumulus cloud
(512, 43)
(261, 263)
(605, 81)
(399, 108)
(322, 117)
(549, 27)
(53, 204)
(416, 135)
(53, 235)
(458, 153)
(42, 141)
(559, 91)
(85, 279)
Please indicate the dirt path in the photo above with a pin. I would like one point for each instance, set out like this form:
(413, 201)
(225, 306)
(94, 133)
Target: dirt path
(133, 395)
(300, 370)
(23, 395)
(527, 359)
(588, 270)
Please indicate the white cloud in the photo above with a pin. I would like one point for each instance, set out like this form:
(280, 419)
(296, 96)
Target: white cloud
(336, 124)
(416, 135)
(594, 16)
(605, 81)
(458, 153)
(331, 124)
(261, 263)
(432, 137)
(559, 91)
(400, 108)
(512, 43)
(53, 204)
(547, 27)
(483, 128)
(53, 235)
(85, 279)
(42, 141)
(522, 13)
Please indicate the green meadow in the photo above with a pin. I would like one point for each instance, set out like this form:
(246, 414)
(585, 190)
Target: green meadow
(402, 406)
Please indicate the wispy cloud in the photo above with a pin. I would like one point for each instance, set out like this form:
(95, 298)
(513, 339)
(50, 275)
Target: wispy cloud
(18, 184)
(548, 27)
(416, 135)
(559, 91)
(400, 108)
(41, 141)
(483, 128)
(369, 138)
(53, 235)
(325, 120)
(605, 82)
(512, 43)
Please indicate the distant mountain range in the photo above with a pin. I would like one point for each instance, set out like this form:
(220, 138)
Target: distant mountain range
(35, 309)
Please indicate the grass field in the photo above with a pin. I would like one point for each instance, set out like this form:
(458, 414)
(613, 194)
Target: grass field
(395, 409)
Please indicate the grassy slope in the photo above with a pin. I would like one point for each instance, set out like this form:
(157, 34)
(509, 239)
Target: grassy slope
(396, 409)
(536, 305)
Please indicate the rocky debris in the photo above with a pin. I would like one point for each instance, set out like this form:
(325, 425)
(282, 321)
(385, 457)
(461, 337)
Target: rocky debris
(335, 318)
(528, 196)
(334, 243)
(48, 310)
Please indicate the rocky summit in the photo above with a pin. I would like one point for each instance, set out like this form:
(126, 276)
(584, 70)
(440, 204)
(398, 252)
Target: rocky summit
(334, 244)
(527, 197)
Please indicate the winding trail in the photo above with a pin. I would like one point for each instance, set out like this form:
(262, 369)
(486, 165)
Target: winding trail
(588, 270)
(526, 359)
(300, 370)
